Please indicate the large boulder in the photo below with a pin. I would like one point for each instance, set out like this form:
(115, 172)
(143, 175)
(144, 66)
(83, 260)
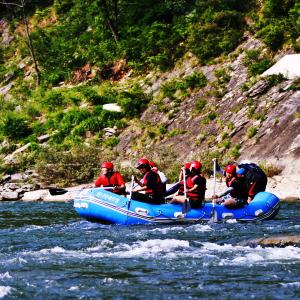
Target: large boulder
(273, 241)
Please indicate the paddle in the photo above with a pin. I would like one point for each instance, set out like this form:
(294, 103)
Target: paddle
(186, 207)
(214, 214)
(60, 191)
(130, 193)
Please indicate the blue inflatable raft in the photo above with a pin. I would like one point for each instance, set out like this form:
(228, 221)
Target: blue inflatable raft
(102, 206)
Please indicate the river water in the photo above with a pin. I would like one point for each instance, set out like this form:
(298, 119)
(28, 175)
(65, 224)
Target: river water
(47, 252)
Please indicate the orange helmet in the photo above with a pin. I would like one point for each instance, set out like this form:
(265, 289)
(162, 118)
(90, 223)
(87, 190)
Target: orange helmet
(231, 169)
(152, 164)
(108, 165)
(196, 165)
(143, 162)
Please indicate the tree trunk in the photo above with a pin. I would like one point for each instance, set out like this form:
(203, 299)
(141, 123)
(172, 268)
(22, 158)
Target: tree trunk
(107, 15)
(31, 49)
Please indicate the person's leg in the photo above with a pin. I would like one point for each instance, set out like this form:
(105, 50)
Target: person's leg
(173, 189)
(230, 203)
(141, 197)
(178, 199)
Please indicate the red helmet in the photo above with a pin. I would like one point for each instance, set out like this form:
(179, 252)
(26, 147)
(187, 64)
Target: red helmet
(152, 164)
(187, 165)
(196, 165)
(143, 162)
(231, 169)
(107, 165)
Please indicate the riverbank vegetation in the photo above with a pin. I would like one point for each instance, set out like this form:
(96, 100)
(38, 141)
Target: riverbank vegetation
(100, 52)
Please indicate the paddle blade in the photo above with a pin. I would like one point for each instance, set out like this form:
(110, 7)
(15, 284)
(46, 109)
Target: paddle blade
(57, 191)
(186, 207)
(213, 216)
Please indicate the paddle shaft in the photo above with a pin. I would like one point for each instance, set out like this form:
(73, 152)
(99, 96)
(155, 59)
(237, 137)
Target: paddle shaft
(214, 184)
(184, 184)
(130, 194)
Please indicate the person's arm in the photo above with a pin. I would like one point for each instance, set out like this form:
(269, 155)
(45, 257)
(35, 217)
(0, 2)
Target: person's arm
(192, 189)
(141, 187)
(98, 182)
(226, 192)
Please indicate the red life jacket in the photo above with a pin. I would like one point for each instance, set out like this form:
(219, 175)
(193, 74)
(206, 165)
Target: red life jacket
(109, 181)
(197, 194)
(158, 188)
(181, 188)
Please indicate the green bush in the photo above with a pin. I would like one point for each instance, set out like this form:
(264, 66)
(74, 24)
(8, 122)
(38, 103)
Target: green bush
(132, 101)
(200, 104)
(272, 35)
(15, 126)
(251, 131)
(212, 115)
(111, 142)
(60, 167)
(270, 169)
(195, 80)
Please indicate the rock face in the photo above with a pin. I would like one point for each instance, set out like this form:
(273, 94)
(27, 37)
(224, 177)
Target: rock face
(276, 241)
(270, 111)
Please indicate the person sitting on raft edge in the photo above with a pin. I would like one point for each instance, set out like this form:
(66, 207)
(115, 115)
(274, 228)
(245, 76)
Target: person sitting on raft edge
(195, 187)
(151, 184)
(111, 178)
(236, 191)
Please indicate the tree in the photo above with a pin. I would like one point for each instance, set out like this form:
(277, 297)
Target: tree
(110, 13)
(21, 4)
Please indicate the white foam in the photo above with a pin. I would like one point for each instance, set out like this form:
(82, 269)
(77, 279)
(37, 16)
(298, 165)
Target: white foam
(149, 248)
(4, 290)
(238, 255)
(291, 284)
(5, 275)
(56, 249)
(32, 227)
(109, 280)
(166, 230)
(104, 245)
(201, 228)
(74, 288)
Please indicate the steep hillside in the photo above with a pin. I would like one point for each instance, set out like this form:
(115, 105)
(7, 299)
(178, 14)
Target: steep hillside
(186, 75)
(259, 123)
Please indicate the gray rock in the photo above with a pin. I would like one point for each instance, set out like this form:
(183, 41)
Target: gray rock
(43, 138)
(10, 196)
(18, 177)
(275, 241)
(38, 195)
(11, 186)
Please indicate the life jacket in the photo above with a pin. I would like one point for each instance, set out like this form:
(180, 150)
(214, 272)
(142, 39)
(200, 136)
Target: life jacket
(239, 191)
(114, 179)
(197, 194)
(181, 188)
(255, 178)
(158, 189)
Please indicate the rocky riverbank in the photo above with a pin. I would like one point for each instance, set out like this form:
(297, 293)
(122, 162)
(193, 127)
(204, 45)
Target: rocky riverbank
(24, 187)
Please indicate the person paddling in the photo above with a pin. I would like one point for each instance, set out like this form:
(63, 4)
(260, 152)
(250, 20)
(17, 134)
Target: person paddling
(150, 189)
(179, 184)
(236, 192)
(111, 178)
(195, 187)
